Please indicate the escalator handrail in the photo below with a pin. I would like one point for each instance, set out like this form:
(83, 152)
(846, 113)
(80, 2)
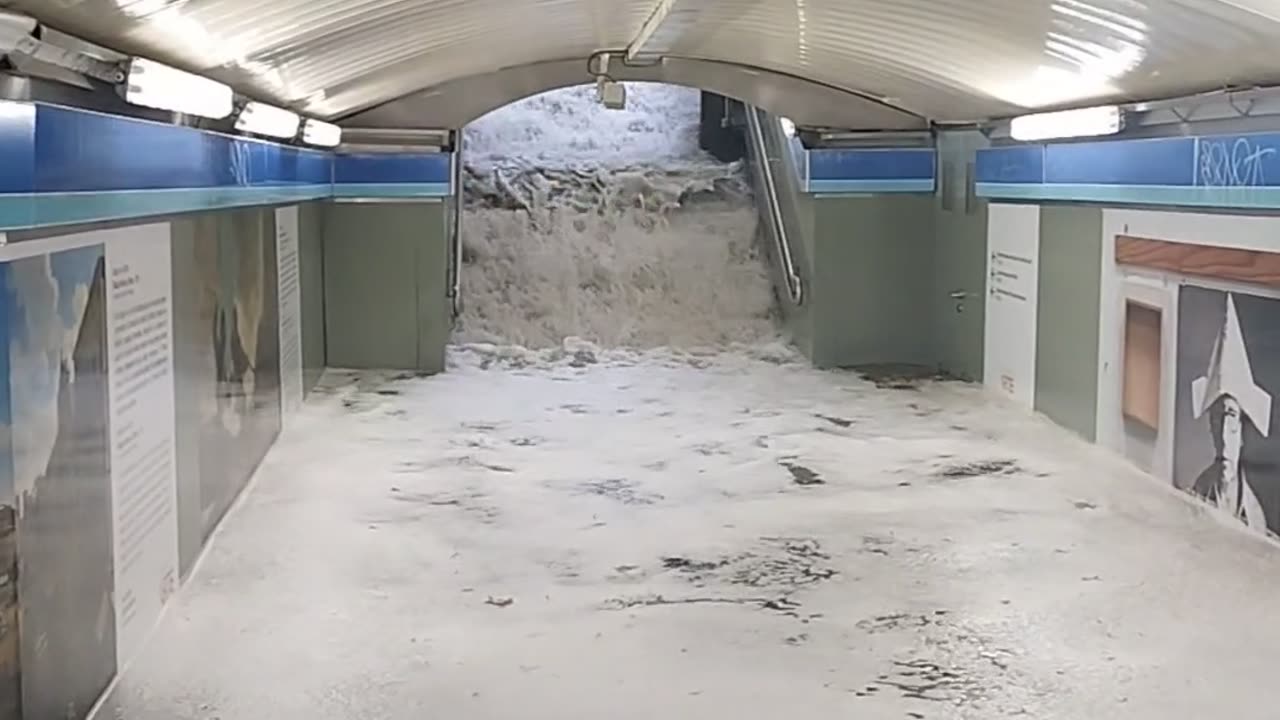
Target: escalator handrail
(455, 242)
(795, 286)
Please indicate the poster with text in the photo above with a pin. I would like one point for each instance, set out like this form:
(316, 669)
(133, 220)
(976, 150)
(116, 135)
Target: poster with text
(290, 289)
(1013, 260)
(54, 298)
(1227, 443)
(143, 464)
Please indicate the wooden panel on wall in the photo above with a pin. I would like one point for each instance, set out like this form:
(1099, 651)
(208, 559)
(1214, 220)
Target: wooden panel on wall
(1249, 266)
(1142, 364)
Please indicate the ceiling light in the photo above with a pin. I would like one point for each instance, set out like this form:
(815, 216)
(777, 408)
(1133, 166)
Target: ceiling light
(155, 85)
(788, 127)
(263, 119)
(322, 134)
(1086, 122)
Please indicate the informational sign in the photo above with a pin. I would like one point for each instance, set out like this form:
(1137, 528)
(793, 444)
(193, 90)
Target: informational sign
(291, 386)
(142, 437)
(1013, 250)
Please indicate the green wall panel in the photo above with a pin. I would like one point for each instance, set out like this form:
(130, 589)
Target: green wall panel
(435, 320)
(873, 276)
(1067, 316)
(385, 267)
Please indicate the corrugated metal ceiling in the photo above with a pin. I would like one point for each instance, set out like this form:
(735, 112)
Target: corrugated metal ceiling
(947, 60)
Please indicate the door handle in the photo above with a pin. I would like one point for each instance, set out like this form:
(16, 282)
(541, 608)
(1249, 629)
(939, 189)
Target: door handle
(959, 294)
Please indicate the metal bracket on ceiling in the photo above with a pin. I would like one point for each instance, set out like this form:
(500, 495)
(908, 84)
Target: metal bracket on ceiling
(1257, 108)
(19, 36)
(1243, 113)
(598, 62)
(640, 44)
(1226, 111)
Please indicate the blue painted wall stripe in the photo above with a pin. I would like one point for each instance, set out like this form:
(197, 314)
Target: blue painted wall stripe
(1017, 164)
(392, 168)
(1166, 161)
(84, 151)
(878, 164)
(863, 171)
(61, 166)
(1230, 171)
(1240, 160)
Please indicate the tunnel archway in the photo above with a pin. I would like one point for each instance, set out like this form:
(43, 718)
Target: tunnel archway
(455, 103)
(613, 227)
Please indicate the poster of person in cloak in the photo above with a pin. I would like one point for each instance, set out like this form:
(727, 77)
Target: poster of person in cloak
(1227, 400)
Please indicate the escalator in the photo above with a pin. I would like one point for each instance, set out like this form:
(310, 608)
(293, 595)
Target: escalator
(775, 160)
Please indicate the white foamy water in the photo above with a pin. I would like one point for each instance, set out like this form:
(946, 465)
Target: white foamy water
(753, 540)
(609, 226)
(569, 127)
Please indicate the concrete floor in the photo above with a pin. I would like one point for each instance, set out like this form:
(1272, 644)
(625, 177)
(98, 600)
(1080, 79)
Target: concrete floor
(729, 538)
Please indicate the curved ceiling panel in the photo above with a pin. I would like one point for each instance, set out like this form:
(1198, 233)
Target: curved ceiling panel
(458, 102)
(947, 60)
(329, 56)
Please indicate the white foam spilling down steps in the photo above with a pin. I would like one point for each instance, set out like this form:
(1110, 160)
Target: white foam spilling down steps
(610, 226)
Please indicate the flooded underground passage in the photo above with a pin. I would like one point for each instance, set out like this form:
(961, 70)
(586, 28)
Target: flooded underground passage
(634, 359)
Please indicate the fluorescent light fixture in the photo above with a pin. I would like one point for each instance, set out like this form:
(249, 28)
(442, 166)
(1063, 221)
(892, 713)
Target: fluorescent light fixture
(788, 127)
(263, 119)
(322, 134)
(1086, 122)
(155, 85)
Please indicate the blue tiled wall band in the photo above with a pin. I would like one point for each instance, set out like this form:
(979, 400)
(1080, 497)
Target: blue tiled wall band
(67, 166)
(1240, 171)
